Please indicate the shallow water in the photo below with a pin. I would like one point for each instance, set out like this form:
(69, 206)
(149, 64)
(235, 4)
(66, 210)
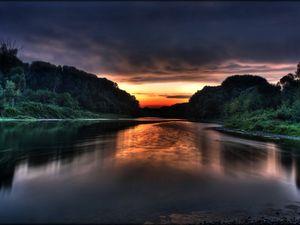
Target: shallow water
(120, 172)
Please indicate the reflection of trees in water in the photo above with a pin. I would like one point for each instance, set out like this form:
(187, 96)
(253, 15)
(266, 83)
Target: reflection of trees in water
(38, 144)
(227, 155)
(42, 142)
(297, 171)
(207, 142)
(290, 159)
(286, 161)
(282, 157)
(241, 157)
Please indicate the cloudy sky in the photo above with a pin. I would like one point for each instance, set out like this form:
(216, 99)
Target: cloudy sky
(162, 52)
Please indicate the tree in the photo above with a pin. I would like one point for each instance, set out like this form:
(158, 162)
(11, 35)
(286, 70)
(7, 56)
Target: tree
(2, 100)
(57, 82)
(239, 93)
(11, 92)
(297, 73)
(65, 99)
(207, 103)
(17, 75)
(8, 56)
(287, 80)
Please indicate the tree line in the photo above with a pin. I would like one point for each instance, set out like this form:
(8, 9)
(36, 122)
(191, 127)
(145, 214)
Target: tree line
(251, 103)
(41, 84)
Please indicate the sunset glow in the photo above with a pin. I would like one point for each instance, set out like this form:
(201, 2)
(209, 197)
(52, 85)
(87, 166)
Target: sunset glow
(162, 94)
(158, 59)
(149, 112)
(166, 93)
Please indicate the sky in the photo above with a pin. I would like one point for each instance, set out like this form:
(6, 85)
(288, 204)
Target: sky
(161, 52)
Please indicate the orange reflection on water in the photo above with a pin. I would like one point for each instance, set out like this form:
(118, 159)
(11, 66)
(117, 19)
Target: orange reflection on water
(192, 147)
(172, 146)
(125, 170)
(180, 145)
(160, 145)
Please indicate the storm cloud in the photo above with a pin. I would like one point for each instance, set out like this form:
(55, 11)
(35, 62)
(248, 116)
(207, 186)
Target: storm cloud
(141, 42)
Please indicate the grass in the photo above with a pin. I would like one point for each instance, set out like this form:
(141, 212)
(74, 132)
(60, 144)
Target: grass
(268, 121)
(33, 110)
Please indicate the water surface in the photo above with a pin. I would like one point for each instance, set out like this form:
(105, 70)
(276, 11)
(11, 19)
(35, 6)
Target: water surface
(123, 172)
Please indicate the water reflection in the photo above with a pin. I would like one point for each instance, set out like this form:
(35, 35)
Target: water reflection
(34, 145)
(114, 172)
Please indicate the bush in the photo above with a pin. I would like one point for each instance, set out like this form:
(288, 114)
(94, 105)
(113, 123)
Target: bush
(65, 99)
(283, 113)
(48, 97)
(45, 111)
(11, 112)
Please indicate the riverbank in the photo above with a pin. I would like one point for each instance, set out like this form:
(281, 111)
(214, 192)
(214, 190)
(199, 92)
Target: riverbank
(70, 118)
(137, 120)
(256, 134)
(268, 121)
(39, 111)
(49, 120)
(238, 129)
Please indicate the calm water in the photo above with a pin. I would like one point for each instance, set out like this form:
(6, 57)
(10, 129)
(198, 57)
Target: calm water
(118, 172)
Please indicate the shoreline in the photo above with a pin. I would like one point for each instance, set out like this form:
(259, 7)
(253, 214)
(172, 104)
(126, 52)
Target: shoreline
(248, 134)
(256, 134)
(137, 119)
(221, 128)
(33, 119)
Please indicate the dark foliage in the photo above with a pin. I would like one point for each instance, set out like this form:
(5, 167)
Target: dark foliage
(8, 57)
(175, 111)
(239, 93)
(251, 103)
(207, 103)
(60, 85)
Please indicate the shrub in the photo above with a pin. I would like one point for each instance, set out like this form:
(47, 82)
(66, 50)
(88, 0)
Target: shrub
(11, 112)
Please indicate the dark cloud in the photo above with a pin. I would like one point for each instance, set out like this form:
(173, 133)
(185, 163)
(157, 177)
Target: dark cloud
(157, 41)
(179, 96)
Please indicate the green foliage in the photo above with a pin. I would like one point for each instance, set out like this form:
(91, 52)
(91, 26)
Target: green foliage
(265, 121)
(46, 111)
(11, 92)
(1, 92)
(207, 103)
(11, 112)
(63, 86)
(42, 96)
(17, 75)
(48, 97)
(237, 94)
(2, 100)
(251, 103)
(92, 93)
(65, 99)
(253, 99)
(283, 113)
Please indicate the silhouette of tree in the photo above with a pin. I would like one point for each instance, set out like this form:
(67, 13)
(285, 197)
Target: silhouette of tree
(297, 73)
(8, 55)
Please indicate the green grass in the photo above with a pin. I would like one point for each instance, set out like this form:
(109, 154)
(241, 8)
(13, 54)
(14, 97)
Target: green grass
(265, 121)
(34, 110)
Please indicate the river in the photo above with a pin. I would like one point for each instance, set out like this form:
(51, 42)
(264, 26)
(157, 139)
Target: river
(122, 172)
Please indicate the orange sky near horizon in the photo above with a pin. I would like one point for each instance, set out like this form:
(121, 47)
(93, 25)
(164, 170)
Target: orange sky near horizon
(156, 94)
(166, 93)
